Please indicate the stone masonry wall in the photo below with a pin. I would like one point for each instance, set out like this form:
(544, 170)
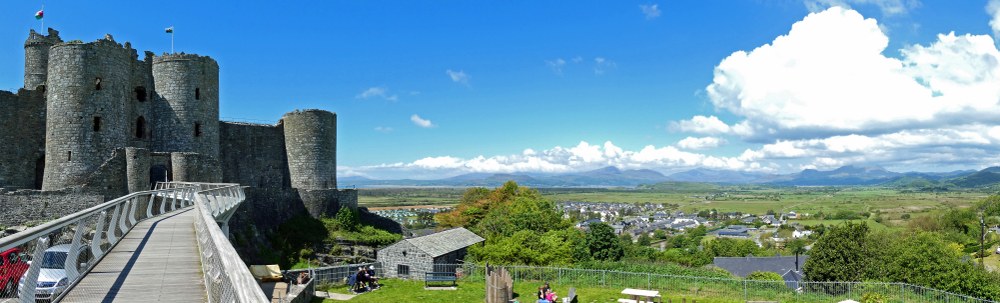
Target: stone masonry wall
(253, 155)
(85, 120)
(31, 206)
(36, 57)
(406, 254)
(311, 144)
(22, 117)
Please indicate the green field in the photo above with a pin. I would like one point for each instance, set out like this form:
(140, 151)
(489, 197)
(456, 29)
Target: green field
(891, 203)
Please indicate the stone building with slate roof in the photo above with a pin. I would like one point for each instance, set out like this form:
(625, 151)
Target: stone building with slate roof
(411, 258)
(785, 266)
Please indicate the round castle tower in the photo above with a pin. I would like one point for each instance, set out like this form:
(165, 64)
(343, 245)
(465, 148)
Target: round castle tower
(85, 120)
(36, 57)
(311, 145)
(187, 110)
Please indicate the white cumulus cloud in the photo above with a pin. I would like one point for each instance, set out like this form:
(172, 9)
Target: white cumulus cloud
(696, 143)
(651, 11)
(417, 120)
(377, 92)
(888, 7)
(458, 76)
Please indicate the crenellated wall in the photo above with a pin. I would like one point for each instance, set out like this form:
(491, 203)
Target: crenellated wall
(254, 154)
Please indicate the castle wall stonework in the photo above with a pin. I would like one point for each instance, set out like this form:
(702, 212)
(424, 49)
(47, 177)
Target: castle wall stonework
(188, 105)
(86, 86)
(22, 116)
(31, 206)
(311, 144)
(36, 57)
(254, 154)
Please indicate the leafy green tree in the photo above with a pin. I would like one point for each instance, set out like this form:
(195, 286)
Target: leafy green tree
(644, 240)
(841, 254)
(729, 247)
(347, 219)
(603, 244)
(930, 261)
(764, 276)
(659, 234)
(797, 247)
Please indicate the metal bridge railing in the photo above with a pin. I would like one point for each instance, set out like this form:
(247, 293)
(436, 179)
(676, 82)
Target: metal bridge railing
(44, 261)
(227, 278)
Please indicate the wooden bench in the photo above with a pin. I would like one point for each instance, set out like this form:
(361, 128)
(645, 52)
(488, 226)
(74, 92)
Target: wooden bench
(440, 276)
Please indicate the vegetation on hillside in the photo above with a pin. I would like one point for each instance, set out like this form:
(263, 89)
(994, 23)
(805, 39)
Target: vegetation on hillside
(300, 238)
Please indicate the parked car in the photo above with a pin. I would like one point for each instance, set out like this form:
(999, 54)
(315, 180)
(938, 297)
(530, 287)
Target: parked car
(52, 278)
(12, 267)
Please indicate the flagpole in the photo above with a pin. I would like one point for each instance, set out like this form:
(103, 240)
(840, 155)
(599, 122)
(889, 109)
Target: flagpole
(42, 30)
(171, 41)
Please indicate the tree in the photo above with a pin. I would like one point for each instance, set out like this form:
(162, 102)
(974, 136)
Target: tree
(797, 247)
(729, 247)
(644, 240)
(603, 244)
(347, 219)
(841, 254)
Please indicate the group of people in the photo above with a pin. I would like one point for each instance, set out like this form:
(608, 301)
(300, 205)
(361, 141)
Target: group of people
(546, 294)
(363, 280)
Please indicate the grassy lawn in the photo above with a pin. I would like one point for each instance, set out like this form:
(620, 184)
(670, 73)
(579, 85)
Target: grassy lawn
(413, 291)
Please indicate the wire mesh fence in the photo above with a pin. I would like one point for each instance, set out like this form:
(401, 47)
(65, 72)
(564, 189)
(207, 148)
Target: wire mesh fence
(721, 288)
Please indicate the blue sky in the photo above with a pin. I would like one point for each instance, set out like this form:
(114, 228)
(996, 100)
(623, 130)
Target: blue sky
(429, 89)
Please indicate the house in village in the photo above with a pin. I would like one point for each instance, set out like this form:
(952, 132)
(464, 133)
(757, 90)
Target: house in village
(411, 258)
(789, 267)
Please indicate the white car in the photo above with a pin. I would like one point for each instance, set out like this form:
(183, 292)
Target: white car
(52, 278)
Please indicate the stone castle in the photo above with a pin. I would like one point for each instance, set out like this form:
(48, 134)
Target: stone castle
(96, 118)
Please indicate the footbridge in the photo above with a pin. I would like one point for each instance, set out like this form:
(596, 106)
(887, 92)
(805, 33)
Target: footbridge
(167, 244)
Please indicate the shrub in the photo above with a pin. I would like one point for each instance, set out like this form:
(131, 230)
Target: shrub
(764, 276)
(871, 297)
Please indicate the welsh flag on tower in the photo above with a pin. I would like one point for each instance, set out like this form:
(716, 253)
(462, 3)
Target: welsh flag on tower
(39, 15)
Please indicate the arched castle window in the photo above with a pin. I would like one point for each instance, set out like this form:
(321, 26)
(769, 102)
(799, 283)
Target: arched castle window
(140, 127)
(140, 93)
(197, 94)
(97, 124)
(197, 129)
(97, 83)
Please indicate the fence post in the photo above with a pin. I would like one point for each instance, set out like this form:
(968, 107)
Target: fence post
(745, 296)
(602, 277)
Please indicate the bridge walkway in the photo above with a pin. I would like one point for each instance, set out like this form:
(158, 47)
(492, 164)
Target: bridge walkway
(157, 261)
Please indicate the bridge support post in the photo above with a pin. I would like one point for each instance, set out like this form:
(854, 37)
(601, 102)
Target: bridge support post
(74, 252)
(27, 293)
(112, 238)
(95, 244)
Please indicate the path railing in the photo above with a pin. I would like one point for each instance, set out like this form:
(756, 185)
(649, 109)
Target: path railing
(227, 278)
(62, 251)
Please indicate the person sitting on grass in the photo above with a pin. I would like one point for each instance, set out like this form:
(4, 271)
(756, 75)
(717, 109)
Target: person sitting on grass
(372, 279)
(551, 296)
(354, 283)
(363, 279)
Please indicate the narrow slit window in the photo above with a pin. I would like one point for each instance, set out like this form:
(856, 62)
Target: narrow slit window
(97, 83)
(140, 93)
(69, 156)
(140, 127)
(97, 124)
(197, 94)
(197, 129)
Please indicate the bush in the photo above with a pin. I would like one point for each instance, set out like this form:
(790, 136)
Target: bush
(764, 276)
(871, 297)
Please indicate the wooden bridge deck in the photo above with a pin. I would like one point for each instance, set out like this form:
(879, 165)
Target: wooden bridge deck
(157, 261)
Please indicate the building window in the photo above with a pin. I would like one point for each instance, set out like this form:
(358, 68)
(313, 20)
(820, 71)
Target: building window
(140, 127)
(40, 89)
(197, 129)
(197, 94)
(69, 156)
(140, 93)
(97, 124)
(402, 270)
(97, 83)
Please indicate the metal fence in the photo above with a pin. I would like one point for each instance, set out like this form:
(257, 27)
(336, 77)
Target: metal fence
(45, 261)
(336, 274)
(727, 288)
(227, 278)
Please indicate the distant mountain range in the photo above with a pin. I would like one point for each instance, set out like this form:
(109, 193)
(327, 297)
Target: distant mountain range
(615, 177)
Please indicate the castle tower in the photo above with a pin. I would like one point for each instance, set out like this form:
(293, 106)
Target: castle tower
(187, 110)
(311, 145)
(88, 85)
(36, 57)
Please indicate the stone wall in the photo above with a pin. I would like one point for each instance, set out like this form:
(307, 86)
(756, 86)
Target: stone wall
(311, 144)
(22, 121)
(254, 154)
(31, 206)
(187, 110)
(406, 254)
(85, 122)
(36, 57)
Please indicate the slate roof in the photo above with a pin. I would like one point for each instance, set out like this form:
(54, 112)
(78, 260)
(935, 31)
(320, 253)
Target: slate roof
(743, 266)
(444, 242)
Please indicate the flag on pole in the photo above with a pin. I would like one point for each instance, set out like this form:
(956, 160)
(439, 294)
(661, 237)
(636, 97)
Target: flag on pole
(39, 15)
(170, 30)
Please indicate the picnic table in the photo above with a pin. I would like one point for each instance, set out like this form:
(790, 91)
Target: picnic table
(641, 296)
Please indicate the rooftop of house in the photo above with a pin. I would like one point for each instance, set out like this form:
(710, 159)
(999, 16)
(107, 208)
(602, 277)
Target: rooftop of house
(743, 266)
(444, 242)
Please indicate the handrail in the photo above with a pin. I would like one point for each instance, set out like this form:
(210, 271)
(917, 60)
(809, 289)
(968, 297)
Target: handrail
(227, 278)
